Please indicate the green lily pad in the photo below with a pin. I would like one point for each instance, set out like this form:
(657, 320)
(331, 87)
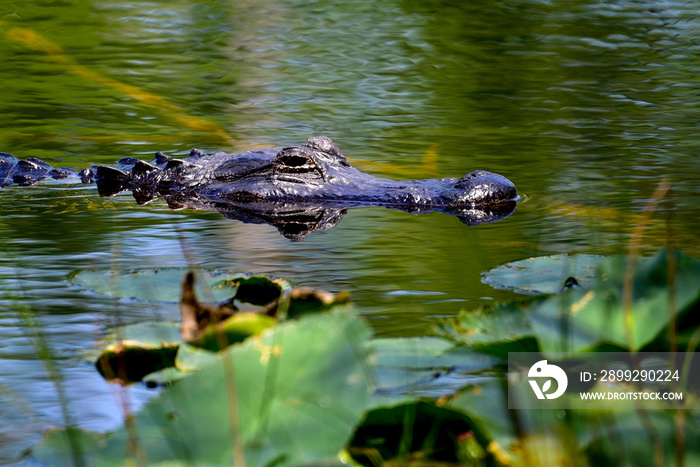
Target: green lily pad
(233, 330)
(163, 285)
(543, 274)
(410, 367)
(521, 437)
(189, 359)
(136, 351)
(584, 319)
(291, 396)
(494, 329)
(582, 437)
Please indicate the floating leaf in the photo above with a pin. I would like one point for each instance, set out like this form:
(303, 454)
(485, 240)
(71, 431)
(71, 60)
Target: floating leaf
(143, 349)
(129, 361)
(632, 429)
(543, 274)
(189, 359)
(545, 438)
(158, 285)
(292, 396)
(495, 329)
(582, 437)
(233, 330)
(410, 367)
(133, 351)
(584, 319)
(217, 327)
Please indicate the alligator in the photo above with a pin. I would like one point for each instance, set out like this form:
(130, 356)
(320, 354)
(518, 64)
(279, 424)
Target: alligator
(298, 189)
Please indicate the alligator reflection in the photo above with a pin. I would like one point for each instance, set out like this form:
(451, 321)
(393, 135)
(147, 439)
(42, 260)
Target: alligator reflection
(296, 221)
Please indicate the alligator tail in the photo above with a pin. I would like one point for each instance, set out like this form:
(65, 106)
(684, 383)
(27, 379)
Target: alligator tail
(29, 171)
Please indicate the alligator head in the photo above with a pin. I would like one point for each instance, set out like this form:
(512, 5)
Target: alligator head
(302, 188)
(318, 171)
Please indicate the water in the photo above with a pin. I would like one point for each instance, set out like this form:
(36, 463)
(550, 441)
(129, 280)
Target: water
(586, 106)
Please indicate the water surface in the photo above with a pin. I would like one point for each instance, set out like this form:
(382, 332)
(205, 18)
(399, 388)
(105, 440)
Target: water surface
(585, 105)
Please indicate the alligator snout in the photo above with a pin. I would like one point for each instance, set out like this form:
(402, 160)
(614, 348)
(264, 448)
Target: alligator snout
(484, 188)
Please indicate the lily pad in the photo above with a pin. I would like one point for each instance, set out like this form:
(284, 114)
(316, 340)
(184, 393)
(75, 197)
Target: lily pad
(256, 290)
(134, 351)
(494, 329)
(543, 274)
(627, 438)
(189, 359)
(584, 319)
(129, 361)
(588, 318)
(292, 396)
(235, 329)
(159, 284)
(410, 367)
(582, 436)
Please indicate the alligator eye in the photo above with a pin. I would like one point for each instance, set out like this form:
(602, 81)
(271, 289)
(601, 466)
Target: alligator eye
(296, 157)
(298, 160)
(294, 160)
